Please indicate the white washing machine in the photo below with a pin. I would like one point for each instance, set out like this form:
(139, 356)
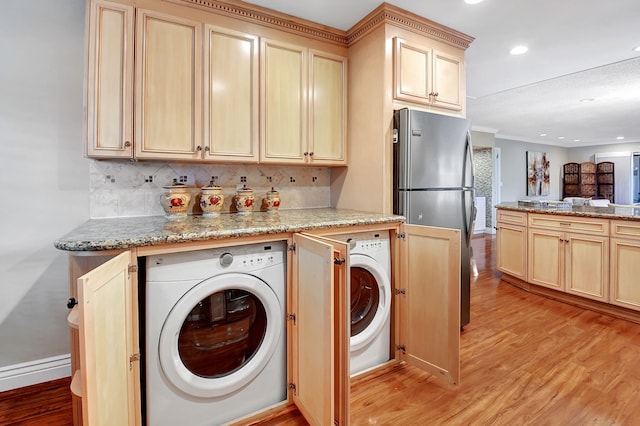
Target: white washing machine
(215, 334)
(370, 260)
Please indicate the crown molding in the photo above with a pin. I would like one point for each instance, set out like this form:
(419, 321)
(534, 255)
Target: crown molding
(270, 18)
(389, 14)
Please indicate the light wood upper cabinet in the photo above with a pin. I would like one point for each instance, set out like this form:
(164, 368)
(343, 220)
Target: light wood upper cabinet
(231, 96)
(108, 325)
(429, 300)
(284, 102)
(303, 101)
(168, 96)
(327, 108)
(426, 76)
(110, 80)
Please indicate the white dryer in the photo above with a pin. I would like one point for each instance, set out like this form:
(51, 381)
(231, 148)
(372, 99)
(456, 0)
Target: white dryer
(370, 260)
(215, 338)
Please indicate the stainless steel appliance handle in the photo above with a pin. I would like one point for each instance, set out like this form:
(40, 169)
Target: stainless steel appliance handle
(468, 159)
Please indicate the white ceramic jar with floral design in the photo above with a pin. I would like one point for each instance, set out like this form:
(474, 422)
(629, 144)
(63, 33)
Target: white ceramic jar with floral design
(175, 202)
(244, 200)
(271, 202)
(211, 201)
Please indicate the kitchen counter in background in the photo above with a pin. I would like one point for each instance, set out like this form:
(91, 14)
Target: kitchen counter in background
(611, 212)
(122, 233)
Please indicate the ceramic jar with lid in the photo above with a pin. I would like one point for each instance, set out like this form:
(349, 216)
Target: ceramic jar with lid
(271, 202)
(244, 200)
(175, 202)
(211, 200)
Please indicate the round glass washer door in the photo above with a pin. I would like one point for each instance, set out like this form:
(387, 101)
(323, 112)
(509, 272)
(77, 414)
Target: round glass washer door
(220, 335)
(370, 300)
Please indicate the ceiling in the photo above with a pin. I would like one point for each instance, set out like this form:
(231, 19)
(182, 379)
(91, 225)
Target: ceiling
(577, 50)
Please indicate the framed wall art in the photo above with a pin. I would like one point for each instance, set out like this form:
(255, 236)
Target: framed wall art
(537, 173)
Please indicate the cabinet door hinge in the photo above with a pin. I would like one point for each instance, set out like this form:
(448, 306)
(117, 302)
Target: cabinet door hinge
(401, 291)
(339, 260)
(132, 358)
(292, 386)
(401, 235)
(133, 269)
(292, 248)
(401, 348)
(292, 317)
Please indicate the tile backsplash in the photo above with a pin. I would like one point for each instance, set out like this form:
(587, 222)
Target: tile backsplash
(121, 188)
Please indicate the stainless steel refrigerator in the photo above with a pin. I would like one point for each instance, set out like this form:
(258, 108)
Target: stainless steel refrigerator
(434, 182)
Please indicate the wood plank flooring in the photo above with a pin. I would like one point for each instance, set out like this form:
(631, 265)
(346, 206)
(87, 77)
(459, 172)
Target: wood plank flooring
(525, 360)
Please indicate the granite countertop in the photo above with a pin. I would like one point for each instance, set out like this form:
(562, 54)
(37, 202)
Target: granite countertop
(122, 233)
(611, 212)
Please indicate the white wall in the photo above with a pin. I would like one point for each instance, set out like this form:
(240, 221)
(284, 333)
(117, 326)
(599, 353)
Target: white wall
(43, 176)
(514, 168)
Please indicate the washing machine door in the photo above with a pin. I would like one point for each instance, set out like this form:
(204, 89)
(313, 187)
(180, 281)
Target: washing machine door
(220, 335)
(370, 300)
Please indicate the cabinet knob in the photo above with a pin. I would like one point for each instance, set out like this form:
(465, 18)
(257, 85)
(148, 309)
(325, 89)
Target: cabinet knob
(198, 148)
(207, 149)
(127, 144)
(435, 94)
(71, 302)
(305, 154)
(311, 154)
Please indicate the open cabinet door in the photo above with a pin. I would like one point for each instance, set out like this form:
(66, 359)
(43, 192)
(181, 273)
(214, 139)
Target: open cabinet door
(107, 328)
(430, 300)
(320, 331)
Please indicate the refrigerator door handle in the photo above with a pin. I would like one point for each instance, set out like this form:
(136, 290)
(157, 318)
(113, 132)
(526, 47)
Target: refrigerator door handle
(470, 216)
(468, 161)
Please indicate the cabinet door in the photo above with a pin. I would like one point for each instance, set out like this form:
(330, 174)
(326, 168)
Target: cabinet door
(448, 76)
(231, 93)
(320, 337)
(511, 257)
(546, 260)
(412, 72)
(625, 270)
(283, 101)
(587, 265)
(168, 87)
(110, 80)
(327, 108)
(108, 322)
(430, 303)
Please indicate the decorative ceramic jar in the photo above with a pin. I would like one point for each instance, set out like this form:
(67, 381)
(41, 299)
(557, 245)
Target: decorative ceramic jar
(175, 202)
(211, 201)
(271, 203)
(244, 200)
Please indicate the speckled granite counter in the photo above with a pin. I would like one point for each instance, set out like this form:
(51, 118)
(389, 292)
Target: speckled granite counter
(122, 233)
(625, 213)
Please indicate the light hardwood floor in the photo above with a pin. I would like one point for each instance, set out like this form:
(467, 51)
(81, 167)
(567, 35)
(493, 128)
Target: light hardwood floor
(525, 360)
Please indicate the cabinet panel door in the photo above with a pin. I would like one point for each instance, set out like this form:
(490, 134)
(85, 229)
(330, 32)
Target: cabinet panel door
(511, 255)
(231, 93)
(168, 87)
(320, 342)
(625, 270)
(283, 100)
(327, 108)
(546, 258)
(110, 81)
(412, 72)
(448, 74)
(430, 307)
(108, 320)
(587, 264)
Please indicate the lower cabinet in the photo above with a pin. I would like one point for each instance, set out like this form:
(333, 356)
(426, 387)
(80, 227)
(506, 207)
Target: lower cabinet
(625, 264)
(511, 243)
(425, 275)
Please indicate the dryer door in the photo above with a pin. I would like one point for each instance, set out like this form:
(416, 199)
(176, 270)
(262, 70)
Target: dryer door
(370, 300)
(220, 335)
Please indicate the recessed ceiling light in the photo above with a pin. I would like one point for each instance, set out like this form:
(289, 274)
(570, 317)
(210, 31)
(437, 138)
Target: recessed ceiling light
(620, 138)
(576, 140)
(543, 134)
(636, 49)
(472, 1)
(587, 100)
(519, 50)
(560, 137)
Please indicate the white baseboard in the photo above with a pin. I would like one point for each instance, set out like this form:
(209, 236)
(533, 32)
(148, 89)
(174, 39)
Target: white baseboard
(34, 372)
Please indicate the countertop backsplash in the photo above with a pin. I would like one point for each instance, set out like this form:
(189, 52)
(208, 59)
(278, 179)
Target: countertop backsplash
(121, 188)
